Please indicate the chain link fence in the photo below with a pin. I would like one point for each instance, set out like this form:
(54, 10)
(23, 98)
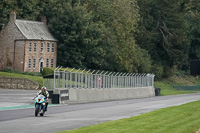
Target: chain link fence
(97, 79)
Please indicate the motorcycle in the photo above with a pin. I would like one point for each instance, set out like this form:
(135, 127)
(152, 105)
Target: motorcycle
(40, 105)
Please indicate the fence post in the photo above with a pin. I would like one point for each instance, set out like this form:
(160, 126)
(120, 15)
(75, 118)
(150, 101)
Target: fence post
(140, 78)
(119, 80)
(104, 80)
(136, 80)
(76, 78)
(96, 79)
(92, 82)
(81, 86)
(131, 80)
(126, 80)
(58, 81)
(123, 80)
(115, 80)
(64, 78)
(71, 77)
(100, 80)
(109, 79)
(54, 83)
(86, 79)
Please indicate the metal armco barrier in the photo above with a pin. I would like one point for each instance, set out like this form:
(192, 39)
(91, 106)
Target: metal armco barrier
(100, 79)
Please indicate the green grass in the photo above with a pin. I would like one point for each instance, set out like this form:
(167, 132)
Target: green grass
(38, 79)
(177, 119)
(166, 85)
(167, 89)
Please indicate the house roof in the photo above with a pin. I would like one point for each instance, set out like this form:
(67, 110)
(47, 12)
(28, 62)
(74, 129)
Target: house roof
(34, 30)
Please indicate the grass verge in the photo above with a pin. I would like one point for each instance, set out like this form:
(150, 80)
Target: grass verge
(38, 79)
(166, 85)
(177, 119)
(167, 89)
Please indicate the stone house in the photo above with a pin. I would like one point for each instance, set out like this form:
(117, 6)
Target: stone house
(27, 45)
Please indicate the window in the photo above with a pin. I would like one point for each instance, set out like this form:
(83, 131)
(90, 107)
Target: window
(35, 47)
(34, 62)
(29, 63)
(52, 48)
(41, 49)
(47, 63)
(51, 62)
(48, 46)
(30, 47)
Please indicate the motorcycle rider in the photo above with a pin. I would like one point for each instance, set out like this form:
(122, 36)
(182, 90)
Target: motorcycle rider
(44, 92)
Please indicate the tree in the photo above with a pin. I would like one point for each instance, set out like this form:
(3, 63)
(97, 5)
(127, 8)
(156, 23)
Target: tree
(120, 18)
(192, 16)
(163, 33)
(6, 6)
(79, 36)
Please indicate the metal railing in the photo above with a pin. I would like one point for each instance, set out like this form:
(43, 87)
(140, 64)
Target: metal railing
(99, 79)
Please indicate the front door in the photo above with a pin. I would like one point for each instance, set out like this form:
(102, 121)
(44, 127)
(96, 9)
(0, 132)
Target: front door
(41, 64)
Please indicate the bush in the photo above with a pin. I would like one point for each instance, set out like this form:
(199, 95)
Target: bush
(25, 73)
(7, 70)
(31, 73)
(47, 71)
(158, 71)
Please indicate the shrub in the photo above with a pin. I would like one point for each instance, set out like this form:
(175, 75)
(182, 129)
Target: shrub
(25, 73)
(47, 71)
(157, 69)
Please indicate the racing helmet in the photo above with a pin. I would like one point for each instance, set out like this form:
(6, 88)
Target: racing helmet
(43, 89)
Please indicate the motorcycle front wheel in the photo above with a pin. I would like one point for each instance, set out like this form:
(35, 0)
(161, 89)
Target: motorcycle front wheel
(37, 109)
(43, 111)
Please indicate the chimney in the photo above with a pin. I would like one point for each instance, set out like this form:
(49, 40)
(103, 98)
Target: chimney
(12, 16)
(44, 19)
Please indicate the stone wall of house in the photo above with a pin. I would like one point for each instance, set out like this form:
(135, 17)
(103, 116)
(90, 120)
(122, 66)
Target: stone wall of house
(19, 55)
(18, 83)
(8, 35)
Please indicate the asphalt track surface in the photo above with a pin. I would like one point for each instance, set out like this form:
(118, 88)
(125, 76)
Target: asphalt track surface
(17, 111)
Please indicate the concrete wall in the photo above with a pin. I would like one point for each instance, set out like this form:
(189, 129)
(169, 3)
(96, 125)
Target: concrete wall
(18, 83)
(98, 95)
